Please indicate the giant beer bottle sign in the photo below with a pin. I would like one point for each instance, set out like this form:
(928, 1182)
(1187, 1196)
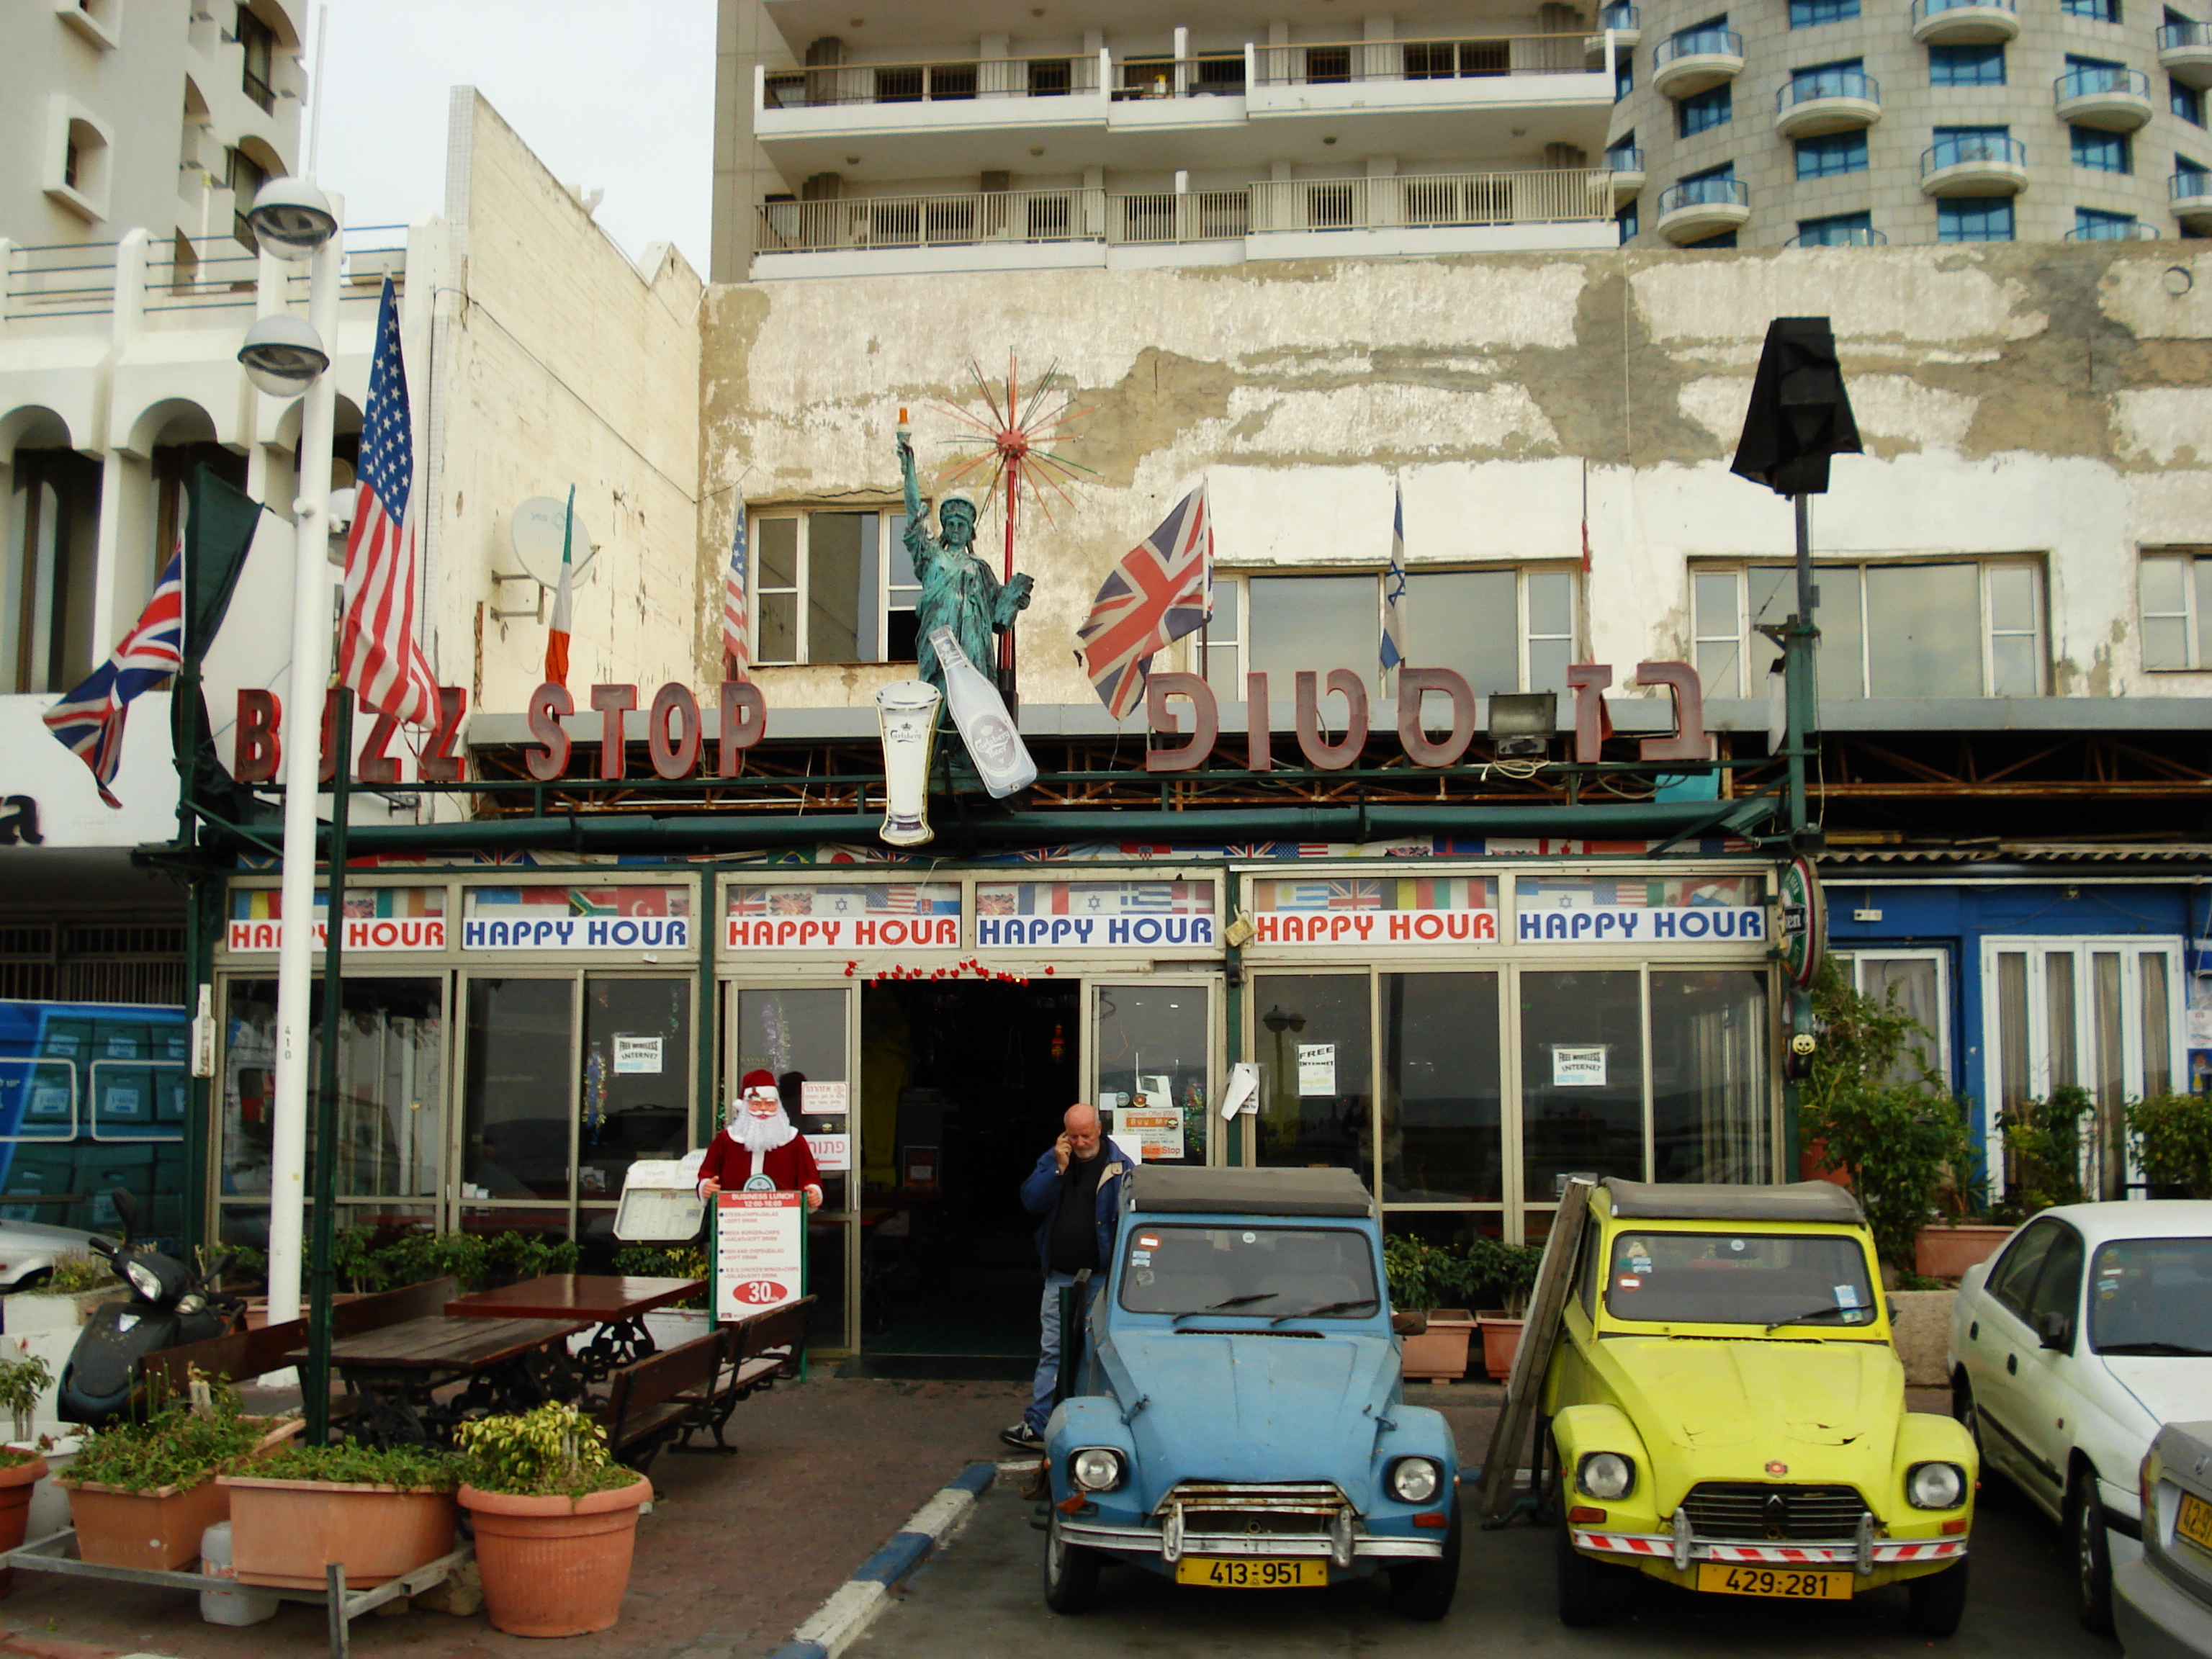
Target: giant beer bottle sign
(760, 1252)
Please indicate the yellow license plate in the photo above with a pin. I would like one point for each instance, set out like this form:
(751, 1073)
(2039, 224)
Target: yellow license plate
(1789, 1583)
(1251, 1572)
(2194, 1520)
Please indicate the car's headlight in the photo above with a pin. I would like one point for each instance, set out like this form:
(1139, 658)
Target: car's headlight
(1098, 1468)
(1936, 1486)
(1608, 1475)
(1415, 1480)
(144, 1279)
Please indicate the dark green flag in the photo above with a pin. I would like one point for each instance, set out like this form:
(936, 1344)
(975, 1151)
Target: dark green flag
(219, 524)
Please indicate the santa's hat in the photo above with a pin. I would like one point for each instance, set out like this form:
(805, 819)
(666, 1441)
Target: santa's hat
(757, 1079)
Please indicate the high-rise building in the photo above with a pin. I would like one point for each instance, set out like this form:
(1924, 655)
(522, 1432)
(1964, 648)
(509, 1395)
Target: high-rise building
(1844, 122)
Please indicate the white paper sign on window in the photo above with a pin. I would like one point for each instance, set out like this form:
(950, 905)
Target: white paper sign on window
(636, 1053)
(1577, 1067)
(822, 1099)
(1316, 1069)
(833, 1154)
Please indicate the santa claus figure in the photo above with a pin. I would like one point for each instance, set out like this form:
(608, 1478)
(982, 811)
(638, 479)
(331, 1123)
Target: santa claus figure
(760, 1151)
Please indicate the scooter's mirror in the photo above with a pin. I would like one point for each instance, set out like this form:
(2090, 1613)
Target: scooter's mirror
(127, 1207)
(222, 1264)
(100, 1246)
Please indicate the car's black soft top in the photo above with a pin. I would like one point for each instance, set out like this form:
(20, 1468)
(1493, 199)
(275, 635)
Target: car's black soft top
(1166, 1190)
(1801, 1200)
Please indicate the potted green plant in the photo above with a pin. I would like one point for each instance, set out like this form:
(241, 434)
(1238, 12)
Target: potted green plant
(674, 1326)
(21, 1467)
(23, 1383)
(2172, 1134)
(555, 1520)
(142, 1493)
(382, 1513)
(1420, 1276)
(1505, 1274)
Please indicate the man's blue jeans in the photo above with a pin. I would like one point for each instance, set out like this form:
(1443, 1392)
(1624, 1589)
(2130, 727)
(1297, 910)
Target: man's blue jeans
(1048, 1370)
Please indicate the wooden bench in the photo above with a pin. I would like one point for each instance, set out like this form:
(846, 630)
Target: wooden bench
(244, 1355)
(757, 1352)
(652, 1398)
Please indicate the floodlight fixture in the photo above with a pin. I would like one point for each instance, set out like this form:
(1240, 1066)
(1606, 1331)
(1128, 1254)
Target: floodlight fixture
(1524, 722)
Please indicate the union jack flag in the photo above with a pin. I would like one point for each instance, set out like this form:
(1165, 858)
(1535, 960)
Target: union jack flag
(1355, 896)
(737, 625)
(88, 719)
(1161, 590)
(378, 655)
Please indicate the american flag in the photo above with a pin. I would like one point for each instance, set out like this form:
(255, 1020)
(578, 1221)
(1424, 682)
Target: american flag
(88, 719)
(1393, 588)
(378, 653)
(737, 625)
(1161, 590)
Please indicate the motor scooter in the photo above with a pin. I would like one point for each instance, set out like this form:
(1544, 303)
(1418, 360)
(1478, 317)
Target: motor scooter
(170, 1304)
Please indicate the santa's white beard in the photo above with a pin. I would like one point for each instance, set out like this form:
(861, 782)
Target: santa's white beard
(761, 1136)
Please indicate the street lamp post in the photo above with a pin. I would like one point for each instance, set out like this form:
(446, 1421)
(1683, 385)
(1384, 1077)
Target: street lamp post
(293, 220)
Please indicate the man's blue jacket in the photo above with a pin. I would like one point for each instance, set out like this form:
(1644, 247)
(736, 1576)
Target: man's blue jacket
(1041, 1197)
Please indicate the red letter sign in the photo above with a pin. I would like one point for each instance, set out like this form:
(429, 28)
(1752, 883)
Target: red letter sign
(547, 705)
(258, 748)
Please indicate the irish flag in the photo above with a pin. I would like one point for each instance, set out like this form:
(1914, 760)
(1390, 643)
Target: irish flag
(556, 640)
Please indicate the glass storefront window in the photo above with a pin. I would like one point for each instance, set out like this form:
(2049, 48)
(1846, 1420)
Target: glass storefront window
(1581, 1078)
(1709, 1075)
(636, 1095)
(518, 1096)
(1152, 1050)
(392, 1036)
(1312, 1039)
(800, 1036)
(1442, 1092)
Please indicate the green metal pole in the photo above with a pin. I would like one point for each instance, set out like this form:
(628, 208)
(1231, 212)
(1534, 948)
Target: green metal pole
(1802, 708)
(323, 1241)
(710, 1013)
(1233, 1044)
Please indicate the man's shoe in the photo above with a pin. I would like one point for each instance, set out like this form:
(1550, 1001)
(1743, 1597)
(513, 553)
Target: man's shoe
(1022, 1438)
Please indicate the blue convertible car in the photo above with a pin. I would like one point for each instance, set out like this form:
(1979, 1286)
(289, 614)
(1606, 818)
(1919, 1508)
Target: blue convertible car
(1233, 1417)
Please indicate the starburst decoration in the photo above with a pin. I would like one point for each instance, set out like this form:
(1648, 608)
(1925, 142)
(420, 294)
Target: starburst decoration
(1011, 449)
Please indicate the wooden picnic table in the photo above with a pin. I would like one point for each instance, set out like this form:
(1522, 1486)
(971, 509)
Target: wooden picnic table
(616, 1302)
(505, 1364)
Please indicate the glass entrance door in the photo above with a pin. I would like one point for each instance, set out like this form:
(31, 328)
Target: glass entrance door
(1151, 1047)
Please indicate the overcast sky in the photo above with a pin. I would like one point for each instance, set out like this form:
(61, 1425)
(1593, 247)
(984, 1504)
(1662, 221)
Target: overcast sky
(612, 94)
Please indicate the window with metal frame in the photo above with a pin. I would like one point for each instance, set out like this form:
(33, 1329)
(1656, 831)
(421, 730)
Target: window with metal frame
(1701, 111)
(2100, 150)
(1914, 983)
(1967, 66)
(2185, 101)
(1835, 230)
(2103, 11)
(257, 43)
(2174, 589)
(1810, 13)
(1974, 219)
(1965, 628)
(1831, 154)
(832, 586)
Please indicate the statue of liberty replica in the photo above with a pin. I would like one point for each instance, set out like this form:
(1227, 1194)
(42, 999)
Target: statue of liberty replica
(959, 590)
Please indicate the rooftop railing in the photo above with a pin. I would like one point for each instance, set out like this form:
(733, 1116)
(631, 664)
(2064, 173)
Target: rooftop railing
(1325, 63)
(210, 273)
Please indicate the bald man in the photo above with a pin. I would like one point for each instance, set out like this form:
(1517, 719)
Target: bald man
(1073, 1191)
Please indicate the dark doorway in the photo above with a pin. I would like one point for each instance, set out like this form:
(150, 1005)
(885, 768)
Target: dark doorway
(982, 1073)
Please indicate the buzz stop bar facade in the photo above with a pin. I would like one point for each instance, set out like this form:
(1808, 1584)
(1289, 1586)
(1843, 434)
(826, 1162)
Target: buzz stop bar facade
(1462, 1011)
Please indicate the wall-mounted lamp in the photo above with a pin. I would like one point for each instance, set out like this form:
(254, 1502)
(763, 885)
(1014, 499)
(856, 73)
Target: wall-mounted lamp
(1524, 723)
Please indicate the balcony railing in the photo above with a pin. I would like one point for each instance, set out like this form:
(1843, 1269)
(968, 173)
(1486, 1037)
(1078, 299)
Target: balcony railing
(927, 83)
(1620, 17)
(1720, 43)
(1430, 201)
(2089, 81)
(1828, 83)
(1854, 236)
(1926, 9)
(1625, 159)
(1343, 62)
(1955, 152)
(2177, 37)
(259, 90)
(1207, 75)
(2188, 182)
(2123, 230)
(1704, 192)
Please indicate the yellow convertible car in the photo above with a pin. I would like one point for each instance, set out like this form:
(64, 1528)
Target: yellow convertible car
(1727, 1414)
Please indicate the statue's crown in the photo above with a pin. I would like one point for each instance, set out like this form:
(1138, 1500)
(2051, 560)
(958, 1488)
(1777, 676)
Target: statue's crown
(964, 497)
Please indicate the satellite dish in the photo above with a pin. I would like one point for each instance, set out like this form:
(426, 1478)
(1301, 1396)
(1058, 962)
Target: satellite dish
(536, 529)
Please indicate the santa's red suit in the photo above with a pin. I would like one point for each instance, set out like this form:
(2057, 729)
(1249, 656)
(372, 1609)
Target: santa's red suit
(791, 1165)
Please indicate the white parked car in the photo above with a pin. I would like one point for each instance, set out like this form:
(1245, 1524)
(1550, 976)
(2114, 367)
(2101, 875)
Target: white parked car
(28, 1250)
(2069, 1348)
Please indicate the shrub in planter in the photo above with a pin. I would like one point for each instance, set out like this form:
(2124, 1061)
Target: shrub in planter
(1421, 1276)
(22, 1383)
(2042, 1152)
(21, 1470)
(671, 1261)
(415, 1255)
(142, 1493)
(2174, 1143)
(555, 1520)
(1502, 1275)
(381, 1513)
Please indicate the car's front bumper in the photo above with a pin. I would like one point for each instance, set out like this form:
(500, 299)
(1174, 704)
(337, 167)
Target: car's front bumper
(1676, 1557)
(1342, 1548)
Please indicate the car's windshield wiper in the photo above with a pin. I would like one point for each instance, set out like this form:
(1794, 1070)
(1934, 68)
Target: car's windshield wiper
(1233, 1302)
(1812, 1314)
(2178, 1350)
(1326, 1309)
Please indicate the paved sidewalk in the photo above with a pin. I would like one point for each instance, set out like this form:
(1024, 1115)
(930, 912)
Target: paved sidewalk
(737, 1551)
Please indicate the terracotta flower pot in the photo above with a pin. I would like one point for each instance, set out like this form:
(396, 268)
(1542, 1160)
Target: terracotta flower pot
(555, 1566)
(159, 1528)
(1501, 1339)
(17, 1480)
(283, 1532)
(1947, 1252)
(1439, 1353)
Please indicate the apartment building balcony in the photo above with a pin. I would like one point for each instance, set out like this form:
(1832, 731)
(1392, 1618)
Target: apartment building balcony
(1691, 64)
(1698, 208)
(1076, 227)
(1965, 22)
(1974, 166)
(1832, 100)
(2116, 230)
(2115, 99)
(1626, 163)
(1852, 236)
(1624, 23)
(2189, 193)
(2184, 51)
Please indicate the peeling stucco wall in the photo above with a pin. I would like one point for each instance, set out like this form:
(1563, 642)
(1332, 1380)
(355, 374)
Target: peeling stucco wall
(2014, 398)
